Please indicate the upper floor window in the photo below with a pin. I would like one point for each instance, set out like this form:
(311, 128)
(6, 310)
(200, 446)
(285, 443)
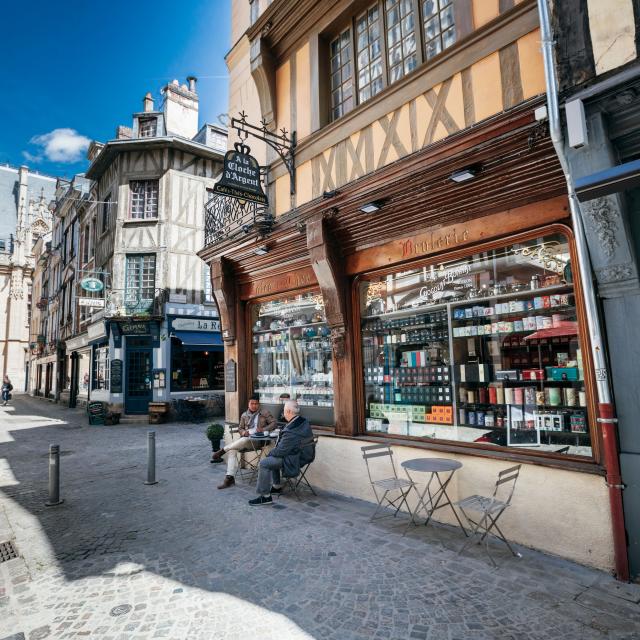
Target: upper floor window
(390, 41)
(147, 127)
(144, 199)
(106, 212)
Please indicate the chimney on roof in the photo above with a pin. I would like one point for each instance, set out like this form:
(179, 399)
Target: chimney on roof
(180, 108)
(147, 102)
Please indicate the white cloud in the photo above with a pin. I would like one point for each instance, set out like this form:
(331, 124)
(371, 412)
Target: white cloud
(29, 157)
(59, 145)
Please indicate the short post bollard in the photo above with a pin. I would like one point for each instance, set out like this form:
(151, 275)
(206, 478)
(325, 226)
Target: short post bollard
(151, 458)
(54, 476)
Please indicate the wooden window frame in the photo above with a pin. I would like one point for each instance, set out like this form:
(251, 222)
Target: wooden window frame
(145, 197)
(106, 214)
(463, 24)
(148, 127)
(475, 448)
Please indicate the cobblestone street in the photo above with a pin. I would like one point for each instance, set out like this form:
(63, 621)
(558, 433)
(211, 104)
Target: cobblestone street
(179, 559)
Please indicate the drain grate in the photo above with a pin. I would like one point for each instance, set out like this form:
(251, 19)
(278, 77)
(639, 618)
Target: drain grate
(7, 551)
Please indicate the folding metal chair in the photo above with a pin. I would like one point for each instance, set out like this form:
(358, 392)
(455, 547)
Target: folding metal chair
(248, 466)
(490, 509)
(391, 483)
(307, 455)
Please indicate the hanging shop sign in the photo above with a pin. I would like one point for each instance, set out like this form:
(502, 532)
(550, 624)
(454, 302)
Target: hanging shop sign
(195, 324)
(116, 376)
(241, 178)
(96, 303)
(91, 284)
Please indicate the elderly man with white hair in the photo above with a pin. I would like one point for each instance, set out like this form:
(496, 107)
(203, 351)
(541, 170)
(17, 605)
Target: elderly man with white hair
(286, 456)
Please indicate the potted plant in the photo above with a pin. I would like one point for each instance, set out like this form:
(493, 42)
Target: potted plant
(215, 433)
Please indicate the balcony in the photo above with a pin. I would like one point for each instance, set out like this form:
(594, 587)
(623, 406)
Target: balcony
(125, 303)
(226, 218)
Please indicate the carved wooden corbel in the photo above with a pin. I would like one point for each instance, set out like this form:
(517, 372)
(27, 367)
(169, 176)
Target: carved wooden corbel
(224, 291)
(263, 71)
(327, 265)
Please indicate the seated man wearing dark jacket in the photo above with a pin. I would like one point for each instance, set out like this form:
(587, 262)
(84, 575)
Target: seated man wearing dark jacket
(285, 456)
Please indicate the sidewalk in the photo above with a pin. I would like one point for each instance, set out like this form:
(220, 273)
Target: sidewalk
(182, 560)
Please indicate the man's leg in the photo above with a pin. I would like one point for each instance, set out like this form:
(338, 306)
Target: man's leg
(232, 462)
(236, 445)
(268, 466)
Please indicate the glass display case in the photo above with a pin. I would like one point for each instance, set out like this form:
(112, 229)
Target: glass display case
(292, 355)
(482, 349)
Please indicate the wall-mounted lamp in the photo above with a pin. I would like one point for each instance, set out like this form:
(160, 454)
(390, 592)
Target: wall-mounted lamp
(372, 207)
(462, 175)
(261, 251)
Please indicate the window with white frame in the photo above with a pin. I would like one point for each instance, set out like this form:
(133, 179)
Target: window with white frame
(438, 25)
(140, 283)
(144, 199)
(342, 100)
(147, 127)
(100, 368)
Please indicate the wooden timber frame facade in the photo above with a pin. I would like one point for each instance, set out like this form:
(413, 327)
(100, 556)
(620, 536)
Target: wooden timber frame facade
(471, 106)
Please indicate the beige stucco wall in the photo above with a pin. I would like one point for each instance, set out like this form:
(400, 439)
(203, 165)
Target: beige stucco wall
(612, 27)
(561, 512)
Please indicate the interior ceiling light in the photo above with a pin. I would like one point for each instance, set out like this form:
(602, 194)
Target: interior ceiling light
(261, 251)
(372, 207)
(462, 175)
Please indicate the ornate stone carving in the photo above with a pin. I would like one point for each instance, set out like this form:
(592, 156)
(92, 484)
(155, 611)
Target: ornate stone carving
(338, 342)
(614, 273)
(602, 216)
(16, 290)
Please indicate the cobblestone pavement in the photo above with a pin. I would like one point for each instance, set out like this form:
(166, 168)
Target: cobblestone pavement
(179, 559)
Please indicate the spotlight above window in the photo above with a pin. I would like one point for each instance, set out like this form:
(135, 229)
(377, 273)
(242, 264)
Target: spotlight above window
(462, 175)
(372, 207)
(261, 251)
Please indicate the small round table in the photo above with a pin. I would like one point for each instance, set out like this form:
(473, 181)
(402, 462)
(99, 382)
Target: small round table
(257, 446)
(431, 501)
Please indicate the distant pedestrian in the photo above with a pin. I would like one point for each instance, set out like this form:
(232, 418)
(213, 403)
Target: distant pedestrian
(7, 388)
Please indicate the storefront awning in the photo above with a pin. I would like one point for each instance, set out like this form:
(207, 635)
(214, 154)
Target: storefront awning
(200, 340)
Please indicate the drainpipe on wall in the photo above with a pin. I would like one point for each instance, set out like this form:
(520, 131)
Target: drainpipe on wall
(606, 414)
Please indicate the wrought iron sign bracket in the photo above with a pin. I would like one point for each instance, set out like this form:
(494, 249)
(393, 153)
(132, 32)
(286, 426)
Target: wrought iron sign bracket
(283, 143)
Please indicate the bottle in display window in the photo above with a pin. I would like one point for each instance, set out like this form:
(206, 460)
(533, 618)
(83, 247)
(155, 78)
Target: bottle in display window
(484, 349)
(292, 356)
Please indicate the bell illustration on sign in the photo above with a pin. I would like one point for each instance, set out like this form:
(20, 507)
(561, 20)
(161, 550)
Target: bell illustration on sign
(91, 284)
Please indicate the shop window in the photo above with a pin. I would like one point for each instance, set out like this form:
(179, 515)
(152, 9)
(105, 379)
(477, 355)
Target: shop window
(140, 283)
(100, 368)
(484, 349)
(196, 370)
(292, 355)
(390, 41)
(144, 199)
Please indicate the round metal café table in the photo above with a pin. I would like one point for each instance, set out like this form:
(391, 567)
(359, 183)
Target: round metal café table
(430, 500)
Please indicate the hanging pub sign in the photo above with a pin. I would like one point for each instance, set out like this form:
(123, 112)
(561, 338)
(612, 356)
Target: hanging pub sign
(91, 284)
(241, 177)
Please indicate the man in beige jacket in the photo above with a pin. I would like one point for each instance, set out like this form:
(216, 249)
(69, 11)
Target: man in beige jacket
(253, 421)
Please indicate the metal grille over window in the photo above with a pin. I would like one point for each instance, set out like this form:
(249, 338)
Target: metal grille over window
(439, 27)
(401, 38)
(147, 127)
(369, 54)
(144, 199)
(342, 100)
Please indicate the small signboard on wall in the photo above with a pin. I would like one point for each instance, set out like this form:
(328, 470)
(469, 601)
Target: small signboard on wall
(230, 383)
(116, 376)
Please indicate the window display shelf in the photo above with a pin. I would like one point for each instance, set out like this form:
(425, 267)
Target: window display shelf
(286, 329)
(523, 293)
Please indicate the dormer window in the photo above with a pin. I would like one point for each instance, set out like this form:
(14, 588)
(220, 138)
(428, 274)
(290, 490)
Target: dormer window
(147, 127)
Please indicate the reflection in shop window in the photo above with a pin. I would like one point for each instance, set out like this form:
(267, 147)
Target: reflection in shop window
(101, 368)
(292, 355)
(485, 349)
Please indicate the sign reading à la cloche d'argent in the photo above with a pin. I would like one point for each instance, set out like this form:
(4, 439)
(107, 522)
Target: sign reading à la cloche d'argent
(241, 178)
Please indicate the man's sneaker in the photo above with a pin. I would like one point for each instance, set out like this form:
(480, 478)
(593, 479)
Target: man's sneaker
(261, 500)
(276, 489)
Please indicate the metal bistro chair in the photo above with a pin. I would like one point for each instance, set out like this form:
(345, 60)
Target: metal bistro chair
(490, 509)
(307, 456)
(383, 486)
(248, 467)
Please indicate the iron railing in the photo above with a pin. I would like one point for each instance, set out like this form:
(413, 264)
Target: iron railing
(226, 218)
(134, 302)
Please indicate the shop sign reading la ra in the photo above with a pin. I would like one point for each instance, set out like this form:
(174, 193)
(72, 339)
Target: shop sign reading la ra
(241, 178)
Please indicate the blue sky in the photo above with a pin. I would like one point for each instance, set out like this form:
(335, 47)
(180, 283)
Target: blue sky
(75, 69)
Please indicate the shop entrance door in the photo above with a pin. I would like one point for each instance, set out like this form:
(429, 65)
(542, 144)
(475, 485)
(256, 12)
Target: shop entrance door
(138, 390)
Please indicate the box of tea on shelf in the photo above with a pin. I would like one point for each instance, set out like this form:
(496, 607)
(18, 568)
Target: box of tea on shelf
(510, 374)
(533, 374)
(562, 373)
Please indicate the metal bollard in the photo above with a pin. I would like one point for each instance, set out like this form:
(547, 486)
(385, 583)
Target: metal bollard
(54, 476)
(151, 458)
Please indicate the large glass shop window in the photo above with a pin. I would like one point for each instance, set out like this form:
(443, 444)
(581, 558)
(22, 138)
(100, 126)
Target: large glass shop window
(292, 355)
(484, 349)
